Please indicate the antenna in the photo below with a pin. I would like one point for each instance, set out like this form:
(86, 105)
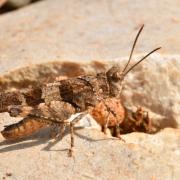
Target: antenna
(134, 44)
(141, 60)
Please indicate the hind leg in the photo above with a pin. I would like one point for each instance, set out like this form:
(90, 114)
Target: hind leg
(57, 130)
(72, 124)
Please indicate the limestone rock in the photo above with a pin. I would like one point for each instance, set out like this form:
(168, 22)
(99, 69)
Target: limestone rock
(143, 156)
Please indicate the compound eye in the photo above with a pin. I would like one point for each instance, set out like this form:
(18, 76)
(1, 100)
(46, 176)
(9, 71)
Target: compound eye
(114, 77)
(113, 74)
(117, 75)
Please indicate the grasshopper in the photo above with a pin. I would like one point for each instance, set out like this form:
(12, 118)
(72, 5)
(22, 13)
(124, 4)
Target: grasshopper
(54, 103)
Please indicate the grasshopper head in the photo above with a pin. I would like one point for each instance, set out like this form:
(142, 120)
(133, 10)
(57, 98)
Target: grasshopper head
(115, 77)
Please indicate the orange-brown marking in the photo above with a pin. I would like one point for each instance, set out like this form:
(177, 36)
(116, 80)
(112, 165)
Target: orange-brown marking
(110, 109)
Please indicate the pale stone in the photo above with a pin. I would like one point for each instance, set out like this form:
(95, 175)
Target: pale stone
(155, 85)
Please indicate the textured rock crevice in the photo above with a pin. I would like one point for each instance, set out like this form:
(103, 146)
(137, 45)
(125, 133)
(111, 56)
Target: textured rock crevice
(36, 75)
(154, 84)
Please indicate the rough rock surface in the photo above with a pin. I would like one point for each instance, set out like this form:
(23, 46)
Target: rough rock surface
(77, 30)
(155, 85)
(143, 156)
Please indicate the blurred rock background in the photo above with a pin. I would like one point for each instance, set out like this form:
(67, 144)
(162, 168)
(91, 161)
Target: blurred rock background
(9, 5)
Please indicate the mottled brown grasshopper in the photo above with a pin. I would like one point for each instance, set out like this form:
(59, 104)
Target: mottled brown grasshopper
(54, 103)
